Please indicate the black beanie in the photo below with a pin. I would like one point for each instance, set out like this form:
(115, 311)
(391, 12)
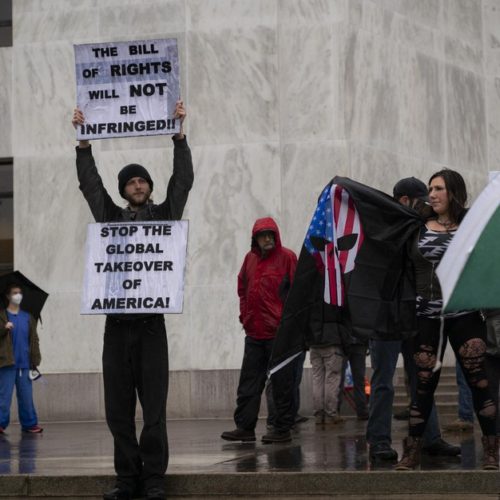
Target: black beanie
(130, 171)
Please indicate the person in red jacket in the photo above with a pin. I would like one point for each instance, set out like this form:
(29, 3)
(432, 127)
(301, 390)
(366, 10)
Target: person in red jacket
(263, 283)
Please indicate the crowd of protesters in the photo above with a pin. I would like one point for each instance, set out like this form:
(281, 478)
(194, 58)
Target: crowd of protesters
(264, 282)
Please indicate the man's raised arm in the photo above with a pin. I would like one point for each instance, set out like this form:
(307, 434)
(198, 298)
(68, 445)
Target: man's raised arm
(182, 177)
(101, 205)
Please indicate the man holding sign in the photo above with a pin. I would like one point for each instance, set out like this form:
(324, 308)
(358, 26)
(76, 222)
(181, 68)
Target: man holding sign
(135, 354)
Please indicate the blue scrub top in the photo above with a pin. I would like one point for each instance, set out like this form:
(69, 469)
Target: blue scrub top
(21, 338)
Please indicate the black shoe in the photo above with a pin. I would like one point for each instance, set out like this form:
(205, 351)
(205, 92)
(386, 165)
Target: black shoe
(300, 419)
(117, 494)
(277, 437)
(402, 415)
(442, 448)
(156, 494)
(382, 451)
(238, 435)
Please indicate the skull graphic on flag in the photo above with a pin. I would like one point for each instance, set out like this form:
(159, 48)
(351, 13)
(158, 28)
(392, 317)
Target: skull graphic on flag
(334, 239)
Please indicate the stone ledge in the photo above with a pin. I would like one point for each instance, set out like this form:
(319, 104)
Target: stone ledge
(75, 397)
(15, 486)
(282, 484)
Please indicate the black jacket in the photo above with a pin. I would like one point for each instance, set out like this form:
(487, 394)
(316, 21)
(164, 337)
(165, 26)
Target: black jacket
(328, 324)
(105, 210)
(379, 291)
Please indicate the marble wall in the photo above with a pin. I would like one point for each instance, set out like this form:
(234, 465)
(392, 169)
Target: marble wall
(281, 95)
(6, 102)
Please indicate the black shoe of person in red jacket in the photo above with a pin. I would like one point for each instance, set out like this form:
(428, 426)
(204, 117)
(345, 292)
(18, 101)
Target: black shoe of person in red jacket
(277, 437)
(239, 435)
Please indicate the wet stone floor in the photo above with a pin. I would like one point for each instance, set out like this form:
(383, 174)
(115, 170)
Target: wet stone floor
(85, 448)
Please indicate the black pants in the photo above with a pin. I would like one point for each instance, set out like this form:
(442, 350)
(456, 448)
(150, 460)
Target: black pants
(298, 370)
(284, 385)
(467, 335)
(492, 366)
(253, 377)
(135, 363)
(297, 376)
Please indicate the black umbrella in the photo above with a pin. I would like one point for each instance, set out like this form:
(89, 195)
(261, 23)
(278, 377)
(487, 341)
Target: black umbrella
(33, 297)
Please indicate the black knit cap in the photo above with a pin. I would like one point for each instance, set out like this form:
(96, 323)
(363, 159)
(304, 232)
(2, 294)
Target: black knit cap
(130, 171)
(411, 187)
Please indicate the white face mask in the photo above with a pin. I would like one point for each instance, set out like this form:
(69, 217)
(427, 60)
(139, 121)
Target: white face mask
(16, 298)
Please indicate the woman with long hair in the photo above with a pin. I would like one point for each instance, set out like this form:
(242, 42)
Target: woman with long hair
(465, 330)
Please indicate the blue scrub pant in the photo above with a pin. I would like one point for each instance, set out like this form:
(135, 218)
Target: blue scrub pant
(11, 376)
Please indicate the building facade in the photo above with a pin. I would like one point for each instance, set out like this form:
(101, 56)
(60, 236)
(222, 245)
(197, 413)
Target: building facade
(281, 96)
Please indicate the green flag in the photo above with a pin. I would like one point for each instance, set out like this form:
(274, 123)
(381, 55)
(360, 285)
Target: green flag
(469, 272)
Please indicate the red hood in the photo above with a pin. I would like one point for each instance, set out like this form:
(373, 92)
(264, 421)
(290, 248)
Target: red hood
(266, 224)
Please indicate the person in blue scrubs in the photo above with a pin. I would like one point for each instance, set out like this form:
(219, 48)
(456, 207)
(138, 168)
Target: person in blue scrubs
(19, 352)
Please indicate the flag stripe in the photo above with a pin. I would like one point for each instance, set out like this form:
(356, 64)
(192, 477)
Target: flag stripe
(327, 276)
(335, 216)
(345, 226)
(354, 228)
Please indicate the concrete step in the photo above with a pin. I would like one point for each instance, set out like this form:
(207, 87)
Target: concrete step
(439, 397)
(76, 460)
(446, 400)
(266, 484)
(448, 409)
(442, 386)
(333, 495)
(446, 383)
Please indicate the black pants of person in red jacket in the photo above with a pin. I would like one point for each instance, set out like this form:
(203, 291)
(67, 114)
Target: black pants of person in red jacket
(253, 378)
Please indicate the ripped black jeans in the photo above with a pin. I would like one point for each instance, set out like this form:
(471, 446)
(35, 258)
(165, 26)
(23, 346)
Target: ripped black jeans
(467, 335)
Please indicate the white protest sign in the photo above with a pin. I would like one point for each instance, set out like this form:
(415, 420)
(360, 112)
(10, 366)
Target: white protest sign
(135, 267)
(127, 89)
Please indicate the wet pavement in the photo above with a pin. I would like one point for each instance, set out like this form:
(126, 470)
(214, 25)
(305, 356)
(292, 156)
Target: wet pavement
(83, 452)
(195, 446)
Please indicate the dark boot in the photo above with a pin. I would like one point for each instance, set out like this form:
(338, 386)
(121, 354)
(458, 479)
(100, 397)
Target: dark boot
(277, 437)
(239, 435)
(441, 448)
(411, 453)
(118, 493)
(156, 494)
(490, 458)
(382, 451)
